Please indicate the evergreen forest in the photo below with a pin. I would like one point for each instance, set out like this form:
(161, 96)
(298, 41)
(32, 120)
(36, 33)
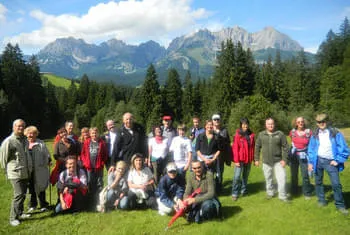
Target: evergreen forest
(238, 88)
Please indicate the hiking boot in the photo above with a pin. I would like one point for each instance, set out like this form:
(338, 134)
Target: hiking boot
(343, 211)
(15, 222)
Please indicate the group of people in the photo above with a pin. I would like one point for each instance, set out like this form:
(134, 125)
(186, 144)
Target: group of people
(149, 171)
(325, 149)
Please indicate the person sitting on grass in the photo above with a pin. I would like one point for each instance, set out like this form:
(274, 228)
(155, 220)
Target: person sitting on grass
(204, 206)
(117, 188)
(72, 187)
(170, 191)
(141, 184)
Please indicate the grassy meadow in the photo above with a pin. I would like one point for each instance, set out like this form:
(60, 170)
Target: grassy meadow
(252, 214)
(59, 81)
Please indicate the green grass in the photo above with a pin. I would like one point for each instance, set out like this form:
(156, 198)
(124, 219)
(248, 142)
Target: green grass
(59, 81)
(249, 215)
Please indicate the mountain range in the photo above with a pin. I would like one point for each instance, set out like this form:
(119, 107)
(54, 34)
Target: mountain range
(116, 61)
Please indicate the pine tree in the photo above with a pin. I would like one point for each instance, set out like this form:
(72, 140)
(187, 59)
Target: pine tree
(173, 95)
(84, 89)
(187, 98)
(148, 93)
(265, 84)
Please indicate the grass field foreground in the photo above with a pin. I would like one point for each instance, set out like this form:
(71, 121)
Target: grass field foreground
(252, 214)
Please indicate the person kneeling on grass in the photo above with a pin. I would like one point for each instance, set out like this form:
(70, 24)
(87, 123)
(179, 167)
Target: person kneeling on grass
(72, 187)
(117, 187)
(204, 206)
(170, 190)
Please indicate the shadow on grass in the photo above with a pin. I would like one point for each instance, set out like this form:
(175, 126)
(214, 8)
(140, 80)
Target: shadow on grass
(253, 188)
(229, 211)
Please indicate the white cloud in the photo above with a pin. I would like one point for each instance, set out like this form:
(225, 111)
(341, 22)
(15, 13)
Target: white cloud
(3, 11)
(131, 21)
(311, 49)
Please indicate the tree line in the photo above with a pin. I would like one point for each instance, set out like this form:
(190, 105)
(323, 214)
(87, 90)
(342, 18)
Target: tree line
(238, 88)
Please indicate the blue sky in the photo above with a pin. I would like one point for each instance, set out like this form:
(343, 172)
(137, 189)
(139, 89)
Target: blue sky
(35, 23)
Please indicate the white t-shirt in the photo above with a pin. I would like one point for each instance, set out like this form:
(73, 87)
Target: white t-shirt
(158, 150)
(142, 178)
(180, 146)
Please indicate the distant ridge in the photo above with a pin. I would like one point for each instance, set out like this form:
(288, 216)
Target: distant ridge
(126, 64)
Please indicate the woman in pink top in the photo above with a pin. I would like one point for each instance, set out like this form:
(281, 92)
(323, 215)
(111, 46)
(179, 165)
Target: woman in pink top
(300, 136)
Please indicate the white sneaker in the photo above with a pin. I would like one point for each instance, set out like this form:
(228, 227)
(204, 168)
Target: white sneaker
(161, 213)
(31, 209)
(44, 209)
(25, 216)
(15, 222)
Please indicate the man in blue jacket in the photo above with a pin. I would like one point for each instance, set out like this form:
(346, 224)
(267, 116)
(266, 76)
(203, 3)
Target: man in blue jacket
(170, 191)
(328, 151)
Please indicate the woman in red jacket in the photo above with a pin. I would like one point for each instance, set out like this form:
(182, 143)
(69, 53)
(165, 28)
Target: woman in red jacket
(243, 155)
(94, 156)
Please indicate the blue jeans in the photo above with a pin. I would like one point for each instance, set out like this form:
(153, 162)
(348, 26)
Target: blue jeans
(112, 197)
(209, 209)
(294, 169)
(240, 183)
(324, 164)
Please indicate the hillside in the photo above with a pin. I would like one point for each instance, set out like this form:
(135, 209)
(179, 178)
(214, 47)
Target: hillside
(58, 81)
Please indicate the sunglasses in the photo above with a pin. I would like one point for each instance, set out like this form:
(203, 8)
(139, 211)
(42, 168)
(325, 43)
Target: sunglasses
(172, 172)
(319, 122)
(216, 119)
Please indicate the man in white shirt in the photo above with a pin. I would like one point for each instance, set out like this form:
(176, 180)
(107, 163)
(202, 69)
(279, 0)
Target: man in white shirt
(328, 151)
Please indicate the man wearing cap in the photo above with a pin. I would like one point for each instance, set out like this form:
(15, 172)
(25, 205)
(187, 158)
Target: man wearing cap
(170, 191)
(328, 151)
(168, 130)
(14, 157)
(225, 149)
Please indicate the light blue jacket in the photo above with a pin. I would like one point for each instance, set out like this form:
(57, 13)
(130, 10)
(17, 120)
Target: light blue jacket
(339, 148)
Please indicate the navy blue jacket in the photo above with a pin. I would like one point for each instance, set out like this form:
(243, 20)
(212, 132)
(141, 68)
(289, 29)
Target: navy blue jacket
(169, 188)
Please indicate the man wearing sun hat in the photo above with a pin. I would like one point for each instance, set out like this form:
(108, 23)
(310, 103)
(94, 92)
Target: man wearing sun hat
(328, 151)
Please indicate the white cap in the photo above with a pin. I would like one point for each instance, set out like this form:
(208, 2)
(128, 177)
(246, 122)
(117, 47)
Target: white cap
(215, 116)
(171, 167)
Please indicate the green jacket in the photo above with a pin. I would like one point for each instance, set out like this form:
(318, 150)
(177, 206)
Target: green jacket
(206, 184)
(274, 147)
(14, 157)
(41, 158)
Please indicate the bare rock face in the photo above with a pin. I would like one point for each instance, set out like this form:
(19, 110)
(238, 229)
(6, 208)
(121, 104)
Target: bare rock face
(197, 52)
